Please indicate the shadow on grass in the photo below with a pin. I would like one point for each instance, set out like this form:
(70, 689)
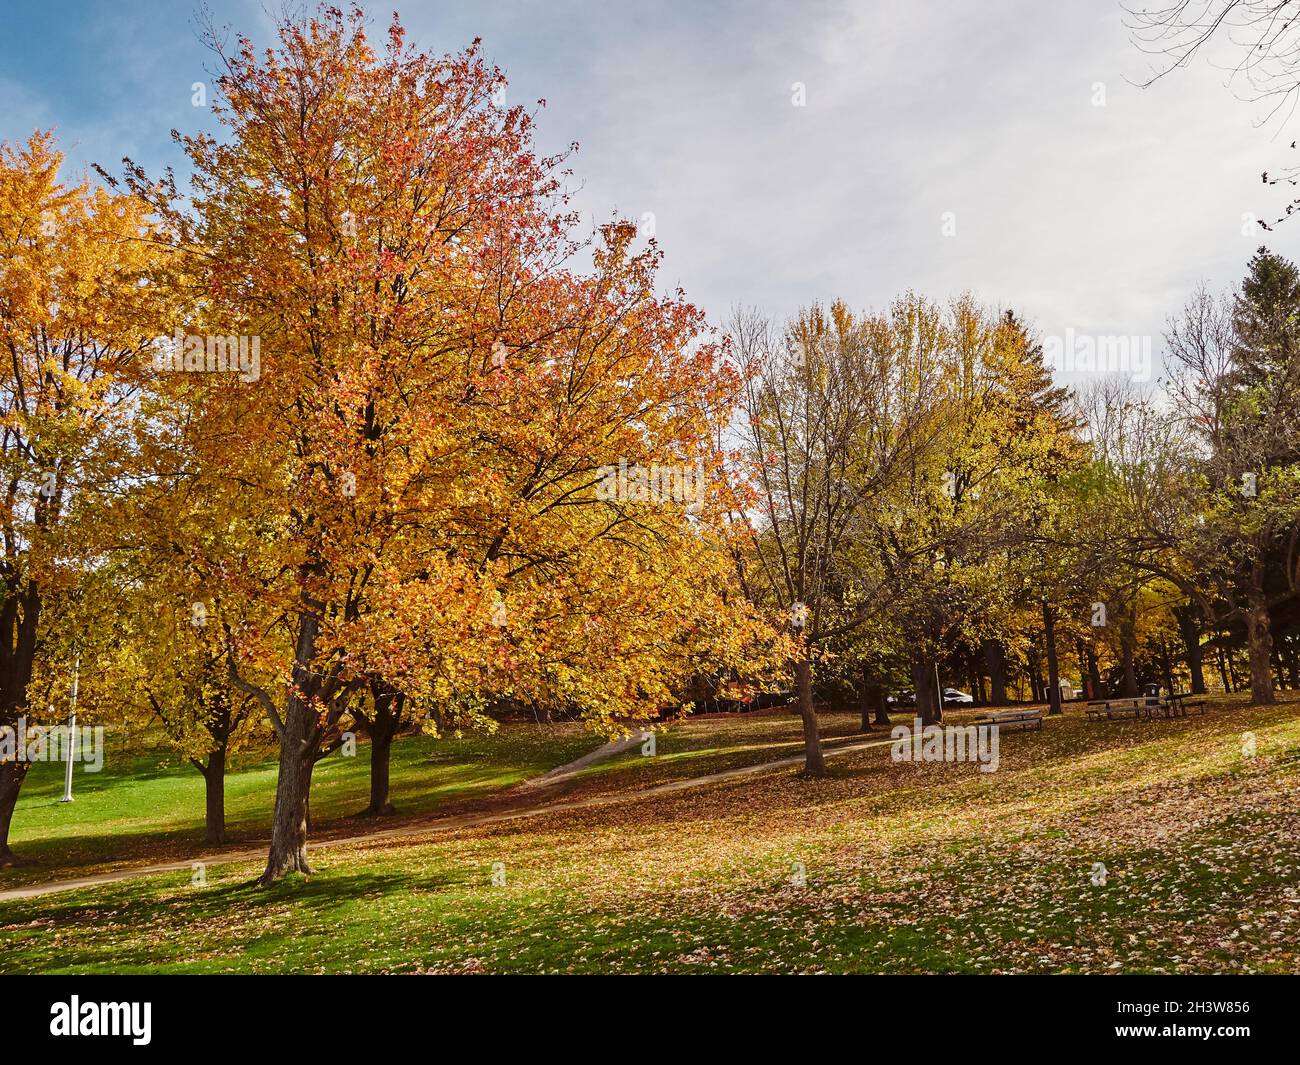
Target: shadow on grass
(322, 890)
(181, 928)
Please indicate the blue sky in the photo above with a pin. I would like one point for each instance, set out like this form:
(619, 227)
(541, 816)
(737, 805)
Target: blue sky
(1093, 218)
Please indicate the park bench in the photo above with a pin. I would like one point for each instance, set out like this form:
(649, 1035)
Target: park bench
(1012, 719)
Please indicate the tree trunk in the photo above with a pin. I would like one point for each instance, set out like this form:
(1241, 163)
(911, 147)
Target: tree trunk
(882, 708)
(299, 748)
(1168, 662)
(11, 782)
(1192, 652)
(869, 694)
(814, 763)
(927, 707)
(1127, 639)
(289, 827)
(381, 746)
(20, 614)
(1053, 667)
(1223, 670)
(1260, 640)
(383, 725)
(214, 781)
(997, 670)
(1037, 688)
(1094, 673)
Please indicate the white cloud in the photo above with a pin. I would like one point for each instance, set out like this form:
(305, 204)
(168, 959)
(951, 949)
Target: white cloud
(1095, 218)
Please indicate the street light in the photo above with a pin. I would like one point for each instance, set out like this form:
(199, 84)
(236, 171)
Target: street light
(72, 733)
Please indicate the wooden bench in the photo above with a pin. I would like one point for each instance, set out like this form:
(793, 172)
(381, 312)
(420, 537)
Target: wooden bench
(1012, 719)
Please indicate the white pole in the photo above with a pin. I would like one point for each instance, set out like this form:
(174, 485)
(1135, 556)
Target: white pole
(938, 688)
(72, 733)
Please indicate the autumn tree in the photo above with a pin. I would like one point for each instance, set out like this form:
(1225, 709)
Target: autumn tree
(167, 672)
(1240, 374)
(432, 439)
(834, 414)
(77, 310)
(977, 505)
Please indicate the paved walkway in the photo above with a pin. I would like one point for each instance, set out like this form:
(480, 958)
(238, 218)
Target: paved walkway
(441, 824)
(572, 769)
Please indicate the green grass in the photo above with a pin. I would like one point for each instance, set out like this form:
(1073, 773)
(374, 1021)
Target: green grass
(150, 804)
(908, 869)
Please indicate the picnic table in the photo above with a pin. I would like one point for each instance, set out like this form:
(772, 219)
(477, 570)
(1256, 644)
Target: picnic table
(1012, 719)
(1125, 707)
(1180, 704)
(1176, 704)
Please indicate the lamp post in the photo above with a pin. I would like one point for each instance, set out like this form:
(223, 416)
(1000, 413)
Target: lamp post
(72, 733)
(1053, 669)
(1049, 640)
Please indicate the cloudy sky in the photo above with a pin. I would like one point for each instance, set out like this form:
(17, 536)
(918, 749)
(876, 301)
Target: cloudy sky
(1077, 198)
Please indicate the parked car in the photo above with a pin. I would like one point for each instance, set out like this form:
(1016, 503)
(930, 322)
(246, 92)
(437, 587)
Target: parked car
(954, 697)
(902, 699)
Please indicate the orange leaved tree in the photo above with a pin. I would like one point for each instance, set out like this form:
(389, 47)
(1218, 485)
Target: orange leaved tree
(433, 413)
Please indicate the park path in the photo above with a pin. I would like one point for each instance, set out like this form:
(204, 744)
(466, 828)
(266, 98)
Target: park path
(440, 824)
(572, 769)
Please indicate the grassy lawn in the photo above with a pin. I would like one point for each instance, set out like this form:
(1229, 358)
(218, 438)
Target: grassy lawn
(149, 805)
(905, 868)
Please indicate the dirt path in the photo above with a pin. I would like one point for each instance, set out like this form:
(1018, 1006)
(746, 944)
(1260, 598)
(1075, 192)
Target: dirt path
(432, 825)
